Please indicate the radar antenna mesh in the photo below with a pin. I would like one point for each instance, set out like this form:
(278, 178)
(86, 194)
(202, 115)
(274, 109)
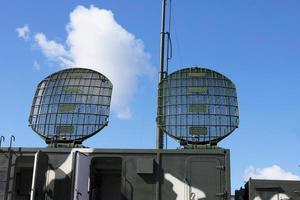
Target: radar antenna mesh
(71, 105)
(197, 106)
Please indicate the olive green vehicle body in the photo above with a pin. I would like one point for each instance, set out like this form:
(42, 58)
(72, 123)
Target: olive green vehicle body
(115, 174)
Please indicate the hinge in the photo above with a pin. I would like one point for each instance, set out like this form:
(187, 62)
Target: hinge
(222, 167)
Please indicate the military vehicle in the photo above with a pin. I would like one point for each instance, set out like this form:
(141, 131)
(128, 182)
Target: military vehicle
(196, 106)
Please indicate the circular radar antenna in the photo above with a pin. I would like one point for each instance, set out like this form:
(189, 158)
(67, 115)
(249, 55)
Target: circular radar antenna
(71, 105)
(197, 106)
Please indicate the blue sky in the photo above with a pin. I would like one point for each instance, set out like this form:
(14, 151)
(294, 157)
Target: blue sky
(254, 43)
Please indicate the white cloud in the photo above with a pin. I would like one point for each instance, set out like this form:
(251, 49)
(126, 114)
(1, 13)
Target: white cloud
(272, 173)
(53, 50)
(23, 32)
(36, 65)
(95, 40)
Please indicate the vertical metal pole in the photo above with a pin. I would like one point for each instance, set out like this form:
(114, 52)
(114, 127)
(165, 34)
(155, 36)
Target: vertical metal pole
(159, 133)
(10, 157)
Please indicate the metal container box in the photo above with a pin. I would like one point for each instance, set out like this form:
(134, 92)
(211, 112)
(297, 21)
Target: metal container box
(114, 174)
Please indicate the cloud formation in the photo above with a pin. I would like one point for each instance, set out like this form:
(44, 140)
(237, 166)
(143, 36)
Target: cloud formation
(272, 173)
(53, 50)
(96, 41)
(23, 32)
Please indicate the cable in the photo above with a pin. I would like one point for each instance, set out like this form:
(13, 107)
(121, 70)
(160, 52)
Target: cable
(176, 41)
(169, 41)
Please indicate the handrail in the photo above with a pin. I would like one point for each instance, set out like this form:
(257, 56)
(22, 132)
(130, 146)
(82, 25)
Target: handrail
(12, 139)
(2, 139)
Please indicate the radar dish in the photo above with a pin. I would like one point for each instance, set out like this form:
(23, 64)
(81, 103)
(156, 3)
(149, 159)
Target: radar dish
(71, 105)
(197, 106)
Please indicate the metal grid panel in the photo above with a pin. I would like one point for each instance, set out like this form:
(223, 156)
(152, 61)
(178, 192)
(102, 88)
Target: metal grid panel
(71, 105)
(197, 105)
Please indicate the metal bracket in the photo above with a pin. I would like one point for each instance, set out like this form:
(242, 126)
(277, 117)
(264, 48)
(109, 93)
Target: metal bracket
(222, 194)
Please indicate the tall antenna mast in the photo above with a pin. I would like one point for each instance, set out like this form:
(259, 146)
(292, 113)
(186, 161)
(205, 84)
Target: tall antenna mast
(160, 133)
